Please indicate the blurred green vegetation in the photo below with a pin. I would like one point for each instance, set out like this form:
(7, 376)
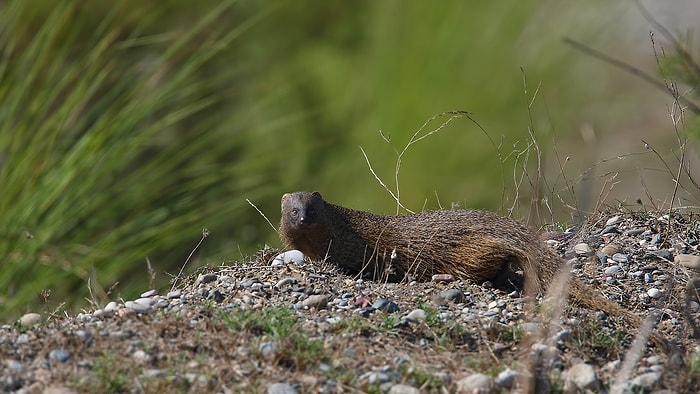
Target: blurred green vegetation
(127, 127)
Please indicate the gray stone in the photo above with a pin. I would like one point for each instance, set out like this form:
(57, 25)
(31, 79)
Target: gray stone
(613, 269)
(583, 249)
(174, 294)
(613, 220)
(290, 256)
(149, 293)
(474, 383)
(581, 376)
(30, 319)
(454, 295)
(403, 389)
(620, 258)
(416, 315)
(654, 293)
(317, 301)
(59, 355)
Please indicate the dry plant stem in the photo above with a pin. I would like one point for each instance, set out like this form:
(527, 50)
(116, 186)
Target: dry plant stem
(416, 137)
(205, 234)
(689, 61)
(632, 355)
(629, 68)
(535, 186)
(263, 215)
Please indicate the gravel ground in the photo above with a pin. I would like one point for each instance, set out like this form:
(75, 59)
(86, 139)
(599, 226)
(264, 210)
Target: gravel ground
(276, 324)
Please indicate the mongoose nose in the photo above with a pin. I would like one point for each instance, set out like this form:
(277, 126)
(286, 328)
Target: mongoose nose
(303, 219)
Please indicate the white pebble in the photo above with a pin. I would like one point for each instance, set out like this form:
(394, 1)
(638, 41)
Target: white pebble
(654, 293)
(149, 293)
(583, 249)
(612, 270)
(290, 256)
(613, 220)
(111, 306)
(30, 319)
(137, 307)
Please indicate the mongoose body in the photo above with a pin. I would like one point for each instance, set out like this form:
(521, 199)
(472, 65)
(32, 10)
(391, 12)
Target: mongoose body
(468, 244)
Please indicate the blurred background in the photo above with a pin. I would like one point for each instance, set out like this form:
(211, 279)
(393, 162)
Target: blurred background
(126, 128)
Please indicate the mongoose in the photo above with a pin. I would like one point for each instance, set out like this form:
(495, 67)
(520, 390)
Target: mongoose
(468, 244)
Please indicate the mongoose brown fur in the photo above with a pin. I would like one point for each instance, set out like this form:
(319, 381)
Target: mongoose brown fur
(468, 244)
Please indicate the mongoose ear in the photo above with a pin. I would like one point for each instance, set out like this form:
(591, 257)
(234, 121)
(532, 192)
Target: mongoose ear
(317, 195)
(285, 196)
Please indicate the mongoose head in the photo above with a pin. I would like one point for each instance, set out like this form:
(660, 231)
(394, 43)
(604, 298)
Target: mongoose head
(302, 210)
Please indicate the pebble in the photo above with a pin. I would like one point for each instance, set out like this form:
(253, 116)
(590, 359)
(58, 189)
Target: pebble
(474, 383)
(646, 381)
(137, 307)
(613, 269)
(317, 301)
(281, 388)
(385, 305)
(454, 295)
(610, 249)
(613, 220)
(444, 278)
(285, 281)
(507, 378)
(581, 377)
(416, 315)
(620, 258)
(664, 254)
(290, 256)
(174, 294)
(583, 249)
(267, 349)
(30, 319)
(111, 306)
(610, 230)
(206, 278)
(149, 293)
(403, 389)
(59, 355)
(634, 232)
(654, 293)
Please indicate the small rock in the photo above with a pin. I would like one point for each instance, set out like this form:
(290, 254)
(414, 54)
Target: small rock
(620, 258)
(111, 306)
(149, 293)
(416, 315)
(507, 378)
(610, 249)
(445, 278)
(613, 220)
(385, 305)
(646, 381)
(454, 295)
(141, 357)
(403, 389)
(137, 307)
(206, 278)
(174, 294)
(612, 270)
(582, 249)
(581, 376)
(648, 277)
(664, 254)
(634, 232)
(474, 383)
(267, 349)
(290, 256)
(316, 301)
(145, 301)
(654, 293)
(284, 282)
(153, 373)
(59, 355)
(610, 230)
(30, 319)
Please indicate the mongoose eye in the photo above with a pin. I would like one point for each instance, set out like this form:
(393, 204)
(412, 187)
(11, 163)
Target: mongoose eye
(295, 212)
